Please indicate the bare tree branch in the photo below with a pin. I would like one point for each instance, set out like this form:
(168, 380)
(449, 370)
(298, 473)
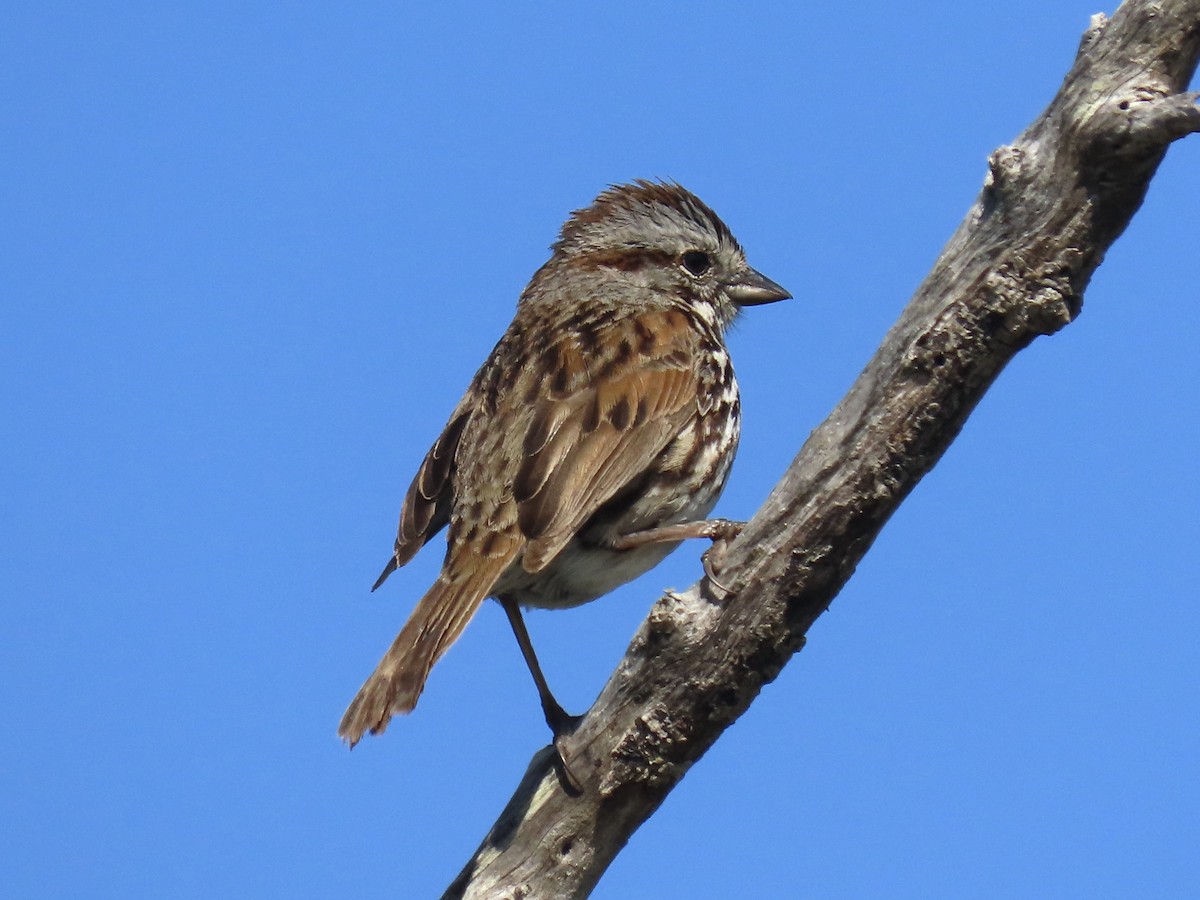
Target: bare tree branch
(1052, 204)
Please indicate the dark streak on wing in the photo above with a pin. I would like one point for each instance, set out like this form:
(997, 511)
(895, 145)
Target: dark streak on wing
(584, 448)
(426, 507)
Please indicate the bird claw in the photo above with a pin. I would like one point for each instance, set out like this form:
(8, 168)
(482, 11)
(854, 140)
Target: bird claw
(710, 572)
(564, 726)
(724, 531)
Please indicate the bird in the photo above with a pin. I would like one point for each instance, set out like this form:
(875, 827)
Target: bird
(598, 434)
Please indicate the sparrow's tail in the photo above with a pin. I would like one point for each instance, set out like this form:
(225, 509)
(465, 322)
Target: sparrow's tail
(435, 624)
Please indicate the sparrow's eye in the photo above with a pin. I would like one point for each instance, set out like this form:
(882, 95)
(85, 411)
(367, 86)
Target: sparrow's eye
(697, 262)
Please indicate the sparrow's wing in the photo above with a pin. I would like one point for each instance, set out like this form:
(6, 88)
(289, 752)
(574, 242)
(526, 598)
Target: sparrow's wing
(426, 507)
(623, 398)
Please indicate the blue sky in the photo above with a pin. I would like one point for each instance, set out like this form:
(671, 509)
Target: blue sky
(251, 255)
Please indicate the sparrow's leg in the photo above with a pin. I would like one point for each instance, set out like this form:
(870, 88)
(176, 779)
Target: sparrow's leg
(560, 721)
(719, 531)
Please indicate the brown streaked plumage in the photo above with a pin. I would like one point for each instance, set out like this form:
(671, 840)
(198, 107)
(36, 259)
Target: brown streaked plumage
(598, 434)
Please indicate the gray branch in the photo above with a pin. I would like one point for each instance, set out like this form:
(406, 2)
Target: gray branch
(1052, 204)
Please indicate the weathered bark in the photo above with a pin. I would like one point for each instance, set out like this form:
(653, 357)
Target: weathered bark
(1052, 204)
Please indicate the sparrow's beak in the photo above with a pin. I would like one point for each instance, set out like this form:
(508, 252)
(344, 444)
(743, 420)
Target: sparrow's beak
(752, 288)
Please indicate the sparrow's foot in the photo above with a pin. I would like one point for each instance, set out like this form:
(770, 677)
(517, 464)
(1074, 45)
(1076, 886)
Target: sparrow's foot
(562, 726)
(723, 532)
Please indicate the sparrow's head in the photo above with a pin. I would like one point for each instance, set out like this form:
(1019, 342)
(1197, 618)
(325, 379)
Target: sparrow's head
(664, 237)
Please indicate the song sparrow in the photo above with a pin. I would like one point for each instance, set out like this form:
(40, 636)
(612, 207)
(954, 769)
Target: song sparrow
(600, 430)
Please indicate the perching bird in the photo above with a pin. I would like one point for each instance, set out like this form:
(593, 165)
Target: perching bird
(598, 434)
